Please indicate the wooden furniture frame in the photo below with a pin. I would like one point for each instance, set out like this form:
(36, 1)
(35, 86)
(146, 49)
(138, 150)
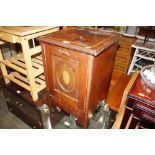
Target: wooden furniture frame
(141, 105)
(28, 64)
(78, 66)
(120, 81)
(121, 112)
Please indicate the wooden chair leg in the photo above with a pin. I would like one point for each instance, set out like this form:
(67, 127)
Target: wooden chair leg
(3, 68)
(30, 73)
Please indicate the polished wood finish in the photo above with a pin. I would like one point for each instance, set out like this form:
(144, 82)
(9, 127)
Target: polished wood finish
(85, 41)
(116, 92)
(143, 92)
(124, 54)
(141, 102)
(78, 66)
(115, 77)
(147, 122)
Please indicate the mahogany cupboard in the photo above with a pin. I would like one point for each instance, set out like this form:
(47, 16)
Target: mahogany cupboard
(78, 65)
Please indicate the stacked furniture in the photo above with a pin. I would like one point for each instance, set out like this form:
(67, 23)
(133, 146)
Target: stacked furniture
(27, 66)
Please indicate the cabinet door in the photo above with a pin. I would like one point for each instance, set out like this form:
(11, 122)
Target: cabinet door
(67, 73)
(66, 77)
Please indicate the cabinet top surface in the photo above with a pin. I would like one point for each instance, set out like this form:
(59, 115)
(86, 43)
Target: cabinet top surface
(142, 92)
(87, 41)
(24, 30)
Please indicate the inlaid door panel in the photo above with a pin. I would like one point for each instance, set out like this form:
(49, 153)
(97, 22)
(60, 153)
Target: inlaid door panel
(64, 81)
(66, 76)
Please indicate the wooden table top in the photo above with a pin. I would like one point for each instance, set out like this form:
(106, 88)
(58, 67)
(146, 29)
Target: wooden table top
(142, 92)
(24, 30)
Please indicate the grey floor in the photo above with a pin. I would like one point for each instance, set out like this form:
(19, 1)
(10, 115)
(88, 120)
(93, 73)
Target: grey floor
(7, 119)
(58, 119)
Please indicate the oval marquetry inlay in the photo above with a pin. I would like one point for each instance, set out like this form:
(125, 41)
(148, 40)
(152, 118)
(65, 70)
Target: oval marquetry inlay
(66, 77)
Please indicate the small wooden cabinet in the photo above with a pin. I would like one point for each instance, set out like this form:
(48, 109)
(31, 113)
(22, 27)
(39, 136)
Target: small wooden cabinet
(78, 65)
(124, 54)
